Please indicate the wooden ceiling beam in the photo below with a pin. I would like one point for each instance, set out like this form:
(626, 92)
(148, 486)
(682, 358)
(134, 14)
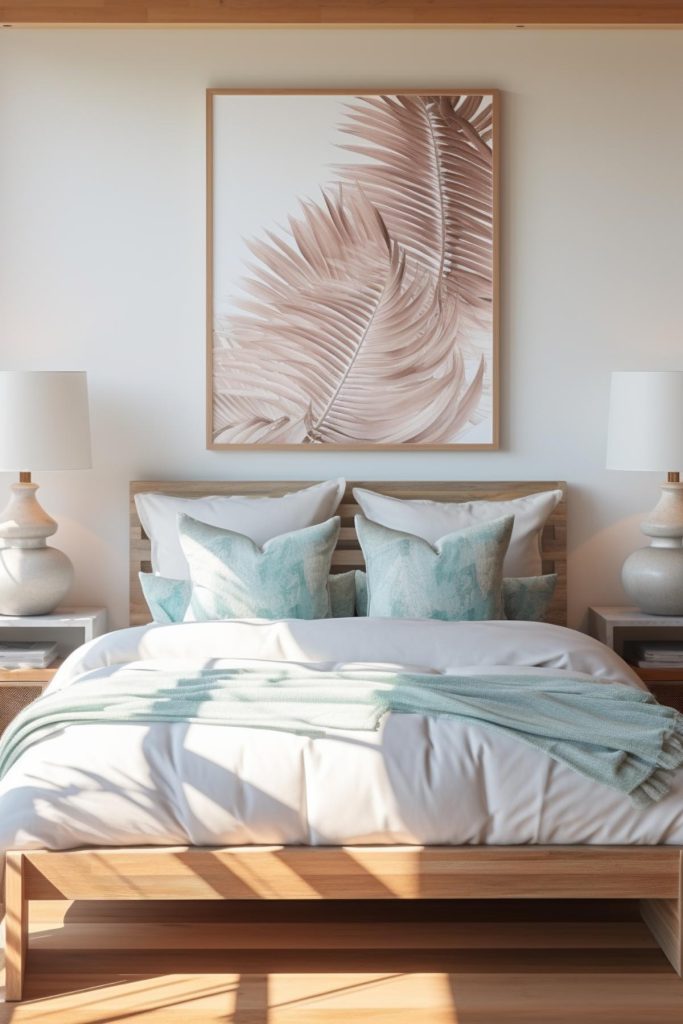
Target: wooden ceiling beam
(342, 12)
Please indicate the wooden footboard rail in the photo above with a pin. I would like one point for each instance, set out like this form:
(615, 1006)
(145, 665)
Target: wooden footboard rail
(651, 874)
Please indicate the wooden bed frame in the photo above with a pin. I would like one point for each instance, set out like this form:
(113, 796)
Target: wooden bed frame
(651, 874)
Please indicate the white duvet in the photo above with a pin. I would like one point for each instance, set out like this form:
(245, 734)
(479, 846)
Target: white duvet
(417, 780)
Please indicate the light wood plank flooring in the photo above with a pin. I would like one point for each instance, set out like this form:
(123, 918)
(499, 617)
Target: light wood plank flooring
(464, 963)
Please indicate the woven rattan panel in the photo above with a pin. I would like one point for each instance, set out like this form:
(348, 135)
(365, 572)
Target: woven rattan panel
(13, 699)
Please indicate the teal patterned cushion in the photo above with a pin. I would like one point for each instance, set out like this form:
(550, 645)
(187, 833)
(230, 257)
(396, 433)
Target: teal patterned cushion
(524, 597)
(342, 587)
(361, 592)
(166, 599)
(459, 577)
(528, 597)
(232, 577)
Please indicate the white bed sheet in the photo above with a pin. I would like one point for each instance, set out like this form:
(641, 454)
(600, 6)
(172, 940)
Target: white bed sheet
(417, 780)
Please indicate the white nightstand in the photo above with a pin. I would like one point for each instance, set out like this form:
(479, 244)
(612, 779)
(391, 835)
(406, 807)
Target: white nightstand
(69, 627)
(622, 627)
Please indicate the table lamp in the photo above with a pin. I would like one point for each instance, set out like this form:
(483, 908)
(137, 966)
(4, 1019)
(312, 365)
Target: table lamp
(646, 433)
(44, 424)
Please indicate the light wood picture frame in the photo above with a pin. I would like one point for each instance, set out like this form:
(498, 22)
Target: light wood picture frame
(352, 269)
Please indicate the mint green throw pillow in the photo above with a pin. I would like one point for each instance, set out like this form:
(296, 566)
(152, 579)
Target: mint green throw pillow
(524, 597)
(528, 597)
(361, 592)
(166, 599)
(460, 577)
(342, 588)
(234, 578)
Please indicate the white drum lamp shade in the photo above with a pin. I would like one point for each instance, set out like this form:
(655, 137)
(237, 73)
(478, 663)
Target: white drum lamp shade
(645, 433)
(646, 421)
(44, 420)
(44, 424)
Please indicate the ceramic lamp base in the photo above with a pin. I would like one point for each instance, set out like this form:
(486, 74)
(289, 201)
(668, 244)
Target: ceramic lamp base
(653, 579)
(33, 577)
(33, 580)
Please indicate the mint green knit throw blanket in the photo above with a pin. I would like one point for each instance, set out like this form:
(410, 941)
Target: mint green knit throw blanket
(615, 735)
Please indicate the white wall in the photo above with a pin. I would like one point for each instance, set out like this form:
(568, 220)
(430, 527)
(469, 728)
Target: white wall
(102, 254)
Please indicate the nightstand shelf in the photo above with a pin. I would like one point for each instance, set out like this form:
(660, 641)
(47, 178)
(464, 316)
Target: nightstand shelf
(12, 676)
(658, 675)
(622, 627)
(68, 627)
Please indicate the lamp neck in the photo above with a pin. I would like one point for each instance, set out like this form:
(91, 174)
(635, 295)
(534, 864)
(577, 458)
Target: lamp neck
(25, 478)
(23, 523)
(665, 522)
(673, 478)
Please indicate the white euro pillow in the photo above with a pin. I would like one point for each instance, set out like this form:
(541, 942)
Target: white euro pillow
(432, 520)
(260, 519)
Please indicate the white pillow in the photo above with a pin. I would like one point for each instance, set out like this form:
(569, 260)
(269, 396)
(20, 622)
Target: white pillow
(260, 519)
(432, 520)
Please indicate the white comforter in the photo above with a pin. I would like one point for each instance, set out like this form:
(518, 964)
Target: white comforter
(418, 780)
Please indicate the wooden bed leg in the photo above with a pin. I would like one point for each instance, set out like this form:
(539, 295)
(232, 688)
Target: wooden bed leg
(16, 926)
(664, 918)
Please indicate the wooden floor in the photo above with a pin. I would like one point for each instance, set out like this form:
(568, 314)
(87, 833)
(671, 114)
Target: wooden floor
(467, 963)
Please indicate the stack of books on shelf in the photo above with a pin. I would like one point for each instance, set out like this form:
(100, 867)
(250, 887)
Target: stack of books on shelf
(659, 655)
(20, 654)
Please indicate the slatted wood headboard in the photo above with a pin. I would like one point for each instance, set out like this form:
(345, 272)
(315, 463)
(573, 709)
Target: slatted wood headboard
(348, 554)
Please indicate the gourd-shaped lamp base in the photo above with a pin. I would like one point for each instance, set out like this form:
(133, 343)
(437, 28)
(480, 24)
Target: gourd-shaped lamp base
(34, 578)
(653, 576)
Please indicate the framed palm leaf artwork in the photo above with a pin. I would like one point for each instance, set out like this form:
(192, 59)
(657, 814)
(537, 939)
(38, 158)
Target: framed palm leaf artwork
(352, 269)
